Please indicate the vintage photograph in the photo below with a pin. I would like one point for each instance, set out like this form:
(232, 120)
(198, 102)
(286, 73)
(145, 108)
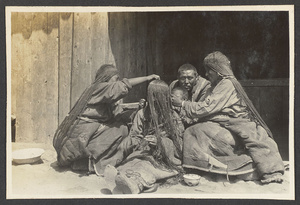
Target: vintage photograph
(150, 102)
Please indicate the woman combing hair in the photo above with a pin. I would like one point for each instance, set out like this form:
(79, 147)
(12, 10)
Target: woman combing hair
(90, 134)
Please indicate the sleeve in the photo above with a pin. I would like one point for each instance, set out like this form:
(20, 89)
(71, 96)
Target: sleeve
(110, 92)
(137, 124)
(205, 88)
(220, 98)
(201, 88)
(178, 122)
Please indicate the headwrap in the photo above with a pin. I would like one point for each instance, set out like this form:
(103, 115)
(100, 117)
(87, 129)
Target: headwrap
(219, 63)
(104, 74)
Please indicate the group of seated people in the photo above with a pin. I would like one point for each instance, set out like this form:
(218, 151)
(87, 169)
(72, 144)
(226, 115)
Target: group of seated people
(193, 123)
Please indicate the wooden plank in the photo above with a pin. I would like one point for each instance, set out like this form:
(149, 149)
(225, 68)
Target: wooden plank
(265, 82)
(44, 73)
(129, 42)
(81, 69)
(65, 64)
(274, 110)
(100, 46)
(15, 61)
(23, 112)
(35, 80)
(254, 95)
(159, 49)
(125, 45)
(38, 47)
(115, 41)
(111, 56)
(17, 57)
(271, 105)
(150, 38)
(141, 39)
(52, 76)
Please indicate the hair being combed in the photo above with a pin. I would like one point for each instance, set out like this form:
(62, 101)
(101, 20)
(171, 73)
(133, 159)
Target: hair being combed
(162, 120)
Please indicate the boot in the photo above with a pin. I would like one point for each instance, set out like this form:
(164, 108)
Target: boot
(127, 185)
(110, 174)
(142, 179)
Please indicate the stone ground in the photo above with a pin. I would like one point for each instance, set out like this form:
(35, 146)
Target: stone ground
(46, 180)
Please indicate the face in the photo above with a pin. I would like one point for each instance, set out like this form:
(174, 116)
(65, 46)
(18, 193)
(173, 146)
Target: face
(212, 76)
(115, 78)
(187, 79)
(178, 94)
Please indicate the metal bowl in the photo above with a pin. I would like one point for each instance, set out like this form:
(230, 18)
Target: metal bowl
(191, 179)
(27, 156)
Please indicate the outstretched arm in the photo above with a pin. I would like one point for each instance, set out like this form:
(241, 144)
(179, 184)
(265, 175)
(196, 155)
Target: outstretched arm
(139, 80)
(223, 96)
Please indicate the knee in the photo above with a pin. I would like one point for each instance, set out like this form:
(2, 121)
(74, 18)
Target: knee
(124, 130)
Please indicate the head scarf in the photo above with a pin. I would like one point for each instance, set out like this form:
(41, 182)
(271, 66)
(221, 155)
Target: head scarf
(104, 74)
(219, 63)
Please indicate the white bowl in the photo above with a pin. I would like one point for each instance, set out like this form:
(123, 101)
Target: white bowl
(191, 179)
(27, 156)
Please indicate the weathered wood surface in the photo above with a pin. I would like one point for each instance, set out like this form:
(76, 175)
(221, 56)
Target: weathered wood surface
(81, 70)
(54, 58)
(128, 35)
(66, 22)
(265, 82)
(35, 78)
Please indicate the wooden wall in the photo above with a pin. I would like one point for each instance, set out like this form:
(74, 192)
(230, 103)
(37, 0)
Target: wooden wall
(35, 75)
(133, 48)
(54, 58)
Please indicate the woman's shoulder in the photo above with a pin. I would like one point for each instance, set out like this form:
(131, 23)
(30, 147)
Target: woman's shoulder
(225, 85)
(226, 82)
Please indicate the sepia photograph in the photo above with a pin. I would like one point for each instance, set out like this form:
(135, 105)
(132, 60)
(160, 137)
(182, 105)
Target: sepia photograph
(193, 102)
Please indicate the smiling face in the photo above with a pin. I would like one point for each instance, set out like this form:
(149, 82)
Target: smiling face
(187, 79)
(212, 76)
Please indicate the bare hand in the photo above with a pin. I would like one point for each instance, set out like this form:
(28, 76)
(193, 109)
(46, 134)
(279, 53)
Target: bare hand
(142, 103)
(153, 77)
(151, 139)
(176, 101)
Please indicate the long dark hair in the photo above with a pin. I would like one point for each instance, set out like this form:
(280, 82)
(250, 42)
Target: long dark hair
(162, 120)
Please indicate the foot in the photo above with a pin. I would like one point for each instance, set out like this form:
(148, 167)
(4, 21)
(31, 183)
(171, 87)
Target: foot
(127, 185)
(269, 178)
(109, 174)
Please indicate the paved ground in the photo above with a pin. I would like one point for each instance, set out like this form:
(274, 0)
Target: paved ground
(46, 180)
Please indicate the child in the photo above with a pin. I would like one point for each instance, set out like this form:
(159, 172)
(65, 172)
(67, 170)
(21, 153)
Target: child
(182, 93)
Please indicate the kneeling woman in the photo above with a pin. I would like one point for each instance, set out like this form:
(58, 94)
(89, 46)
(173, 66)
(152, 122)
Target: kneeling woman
(153, 145)
(91, 133)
